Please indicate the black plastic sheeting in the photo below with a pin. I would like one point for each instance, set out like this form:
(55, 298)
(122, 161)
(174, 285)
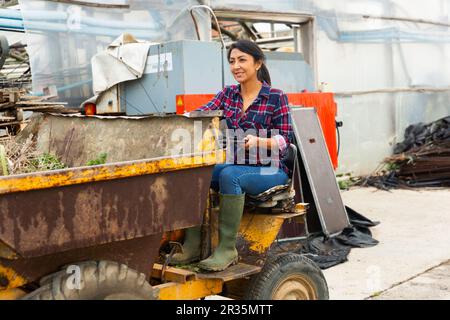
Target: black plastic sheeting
(419, 134)
(328, 252)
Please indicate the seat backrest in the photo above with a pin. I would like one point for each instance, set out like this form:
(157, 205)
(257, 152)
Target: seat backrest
(283, 194)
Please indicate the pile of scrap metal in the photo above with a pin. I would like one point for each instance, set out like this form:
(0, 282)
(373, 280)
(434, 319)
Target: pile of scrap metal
(421, 160)
(14, 102)
(15, 69)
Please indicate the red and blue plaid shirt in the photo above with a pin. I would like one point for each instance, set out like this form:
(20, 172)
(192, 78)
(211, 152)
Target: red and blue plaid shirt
(269, 111)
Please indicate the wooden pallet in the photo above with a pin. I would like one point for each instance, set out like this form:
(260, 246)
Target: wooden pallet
(15, 101)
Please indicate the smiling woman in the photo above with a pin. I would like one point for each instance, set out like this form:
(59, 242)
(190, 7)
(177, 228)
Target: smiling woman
(258, 115)
(245, 67)
(246, 59)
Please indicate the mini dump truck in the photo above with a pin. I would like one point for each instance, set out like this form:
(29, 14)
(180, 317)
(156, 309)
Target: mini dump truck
(107, 231)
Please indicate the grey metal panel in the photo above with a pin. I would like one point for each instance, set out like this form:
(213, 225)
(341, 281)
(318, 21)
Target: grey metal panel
(288, 71)
(194, 68)
(319, 170)
(202, 67)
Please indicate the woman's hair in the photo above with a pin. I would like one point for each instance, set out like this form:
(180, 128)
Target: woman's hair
(255, 51)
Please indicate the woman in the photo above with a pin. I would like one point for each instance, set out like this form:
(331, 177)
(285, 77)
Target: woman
(254, 106)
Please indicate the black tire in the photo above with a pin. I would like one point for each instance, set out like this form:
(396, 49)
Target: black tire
(99, 280)
(288, 276)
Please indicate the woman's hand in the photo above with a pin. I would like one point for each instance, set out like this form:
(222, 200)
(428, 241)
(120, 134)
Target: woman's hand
(251, 142)
(254, 141)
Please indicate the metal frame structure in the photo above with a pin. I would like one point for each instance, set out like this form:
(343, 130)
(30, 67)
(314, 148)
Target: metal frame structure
(303, 27)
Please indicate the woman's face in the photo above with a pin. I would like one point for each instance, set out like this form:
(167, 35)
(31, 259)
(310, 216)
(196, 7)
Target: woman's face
(243, 66)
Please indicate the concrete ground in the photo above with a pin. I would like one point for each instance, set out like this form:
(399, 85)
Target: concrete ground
(411, 260)
(432, 284)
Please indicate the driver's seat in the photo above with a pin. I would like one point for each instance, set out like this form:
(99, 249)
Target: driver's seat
(279, 198)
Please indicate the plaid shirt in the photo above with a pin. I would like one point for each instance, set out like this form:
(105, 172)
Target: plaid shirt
(269, 111)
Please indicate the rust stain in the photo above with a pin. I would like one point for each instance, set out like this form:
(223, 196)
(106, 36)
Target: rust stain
(110, 215)
(59, 233)
(158, 198)
(7, 222)
(88, 213)
(34, 233)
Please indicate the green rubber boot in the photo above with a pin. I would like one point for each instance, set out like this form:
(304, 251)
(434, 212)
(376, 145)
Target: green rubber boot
(230, 214)
(191, 247)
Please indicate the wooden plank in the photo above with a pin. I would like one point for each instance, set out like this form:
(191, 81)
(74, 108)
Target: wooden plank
(51, 107)
(38, 98)
(7, 118)
(6, 105)
(59, 109)
(237, 271)
(13, 123)
(13, 96)
(40, 103)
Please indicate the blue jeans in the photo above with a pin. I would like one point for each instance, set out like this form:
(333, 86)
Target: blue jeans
(239, 179)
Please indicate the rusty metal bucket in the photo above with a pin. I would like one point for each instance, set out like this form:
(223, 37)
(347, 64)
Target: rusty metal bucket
(116, 211)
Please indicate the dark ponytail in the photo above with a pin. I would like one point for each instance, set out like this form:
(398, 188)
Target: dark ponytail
(263, 74)
(255, 51)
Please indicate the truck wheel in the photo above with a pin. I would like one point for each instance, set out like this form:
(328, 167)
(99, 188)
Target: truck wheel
(288, 277)
(97, 280)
